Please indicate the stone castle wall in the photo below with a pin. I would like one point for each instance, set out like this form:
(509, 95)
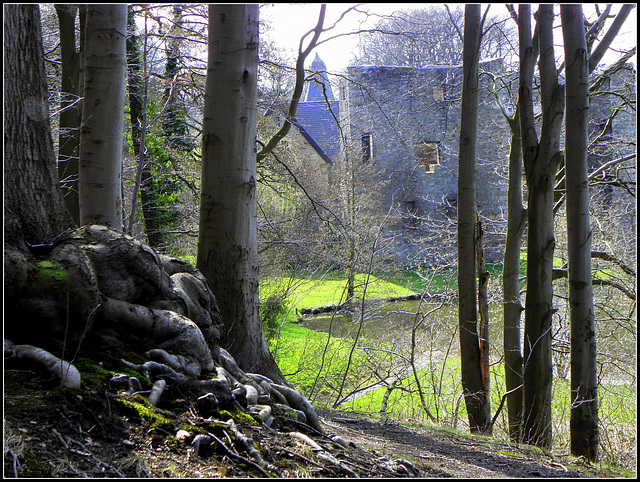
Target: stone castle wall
(403, 109)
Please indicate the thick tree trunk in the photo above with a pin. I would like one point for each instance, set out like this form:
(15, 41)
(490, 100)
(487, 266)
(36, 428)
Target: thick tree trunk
(476, 398)
(512, 308)
(541, 162)
(521, 141)
(70, 91)
(33, 205)
(101, 142)
(227, 240)
(584, 379)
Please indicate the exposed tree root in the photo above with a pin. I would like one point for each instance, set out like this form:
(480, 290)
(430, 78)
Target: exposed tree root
(68, 374)
(93, 282)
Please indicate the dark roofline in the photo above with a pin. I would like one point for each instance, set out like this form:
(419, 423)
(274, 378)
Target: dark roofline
(307, 137)
(312, 142)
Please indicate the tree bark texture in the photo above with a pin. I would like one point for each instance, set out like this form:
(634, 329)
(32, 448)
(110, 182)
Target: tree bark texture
(33, 204)
(70, 91)
(101, 141)
(483, 306)
(227, 239)
(584, 379)
(524, 139)
(541, 162)
(476, 399)
(512, 308)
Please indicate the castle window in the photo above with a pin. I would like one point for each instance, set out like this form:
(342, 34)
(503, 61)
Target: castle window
(428, 155)
(367, 147)
(438, 93)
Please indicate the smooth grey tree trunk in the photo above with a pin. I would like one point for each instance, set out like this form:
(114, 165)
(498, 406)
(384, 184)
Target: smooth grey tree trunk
(101, 135)
(516, 224)
(34, 210)
(137, 93)
(70, 91)
(541, 161)
(476, 398)
(227, 239)
(512, 308)
(584, 378)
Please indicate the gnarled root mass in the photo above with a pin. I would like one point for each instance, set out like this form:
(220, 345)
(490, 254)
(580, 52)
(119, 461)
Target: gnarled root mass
(96, 282)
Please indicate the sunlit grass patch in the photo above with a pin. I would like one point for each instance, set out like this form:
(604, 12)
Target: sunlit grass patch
(313, 293)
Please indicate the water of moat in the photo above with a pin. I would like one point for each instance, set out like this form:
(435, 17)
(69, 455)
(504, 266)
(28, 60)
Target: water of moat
(393, 322)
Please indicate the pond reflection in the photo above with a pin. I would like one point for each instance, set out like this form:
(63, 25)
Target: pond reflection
(393, 322)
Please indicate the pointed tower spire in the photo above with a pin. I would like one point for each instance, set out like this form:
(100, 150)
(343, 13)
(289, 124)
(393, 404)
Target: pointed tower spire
(319, 85)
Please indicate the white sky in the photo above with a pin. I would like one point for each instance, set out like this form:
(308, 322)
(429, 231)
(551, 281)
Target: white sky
(291, 21)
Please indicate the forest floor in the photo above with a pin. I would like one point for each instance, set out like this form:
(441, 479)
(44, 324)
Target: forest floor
(49, 432)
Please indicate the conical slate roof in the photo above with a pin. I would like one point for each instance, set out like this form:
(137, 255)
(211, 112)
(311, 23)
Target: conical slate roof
(319, 85)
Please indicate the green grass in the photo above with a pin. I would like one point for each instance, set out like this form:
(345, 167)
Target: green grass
(299, 353)
(313, 293)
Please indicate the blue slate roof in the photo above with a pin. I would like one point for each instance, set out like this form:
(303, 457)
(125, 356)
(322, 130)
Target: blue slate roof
(318, 124)
(318, 115)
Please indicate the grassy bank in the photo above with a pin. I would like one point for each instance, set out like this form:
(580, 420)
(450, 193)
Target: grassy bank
(327, 368)
(329, 290)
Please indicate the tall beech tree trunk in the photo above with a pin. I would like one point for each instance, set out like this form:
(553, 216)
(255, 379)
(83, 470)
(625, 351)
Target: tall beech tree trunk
(227, 239)
(476, 398)
(516, 223)
(584, 377)
(541, 160)
(512, 307)
(33, 205)
(70, 91)
(100, 166)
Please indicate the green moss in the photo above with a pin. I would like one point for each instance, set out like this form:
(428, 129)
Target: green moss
(282, 411)
(19, 382)
(111, 355)
(142, 409)
(173, 441)
(99, 363)
(239, 416)
(51, 272)
(93, 376)
(194, 429)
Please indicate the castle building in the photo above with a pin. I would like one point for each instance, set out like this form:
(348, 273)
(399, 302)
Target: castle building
(393, 132)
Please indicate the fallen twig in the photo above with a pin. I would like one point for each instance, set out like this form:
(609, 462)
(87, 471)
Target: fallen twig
(308, 460)
(66, 441)
(247, 445)
(14, 463)
(231, 453)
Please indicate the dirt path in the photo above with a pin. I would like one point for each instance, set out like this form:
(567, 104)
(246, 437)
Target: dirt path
(438, 454)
